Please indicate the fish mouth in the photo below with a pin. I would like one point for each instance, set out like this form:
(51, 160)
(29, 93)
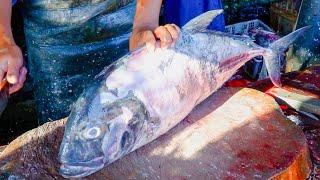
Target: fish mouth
(80, 170)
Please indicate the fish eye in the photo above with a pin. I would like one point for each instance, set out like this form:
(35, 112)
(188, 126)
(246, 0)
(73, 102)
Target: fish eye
(92, 133)
(124, 139)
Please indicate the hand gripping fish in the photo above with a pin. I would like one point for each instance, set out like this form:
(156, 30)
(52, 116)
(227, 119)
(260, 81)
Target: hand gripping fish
(145, 94)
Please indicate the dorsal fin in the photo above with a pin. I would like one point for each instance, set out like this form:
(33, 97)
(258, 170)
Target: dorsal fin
(202, 21)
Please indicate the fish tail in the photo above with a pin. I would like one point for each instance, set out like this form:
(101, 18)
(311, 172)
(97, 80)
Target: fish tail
(275, 50)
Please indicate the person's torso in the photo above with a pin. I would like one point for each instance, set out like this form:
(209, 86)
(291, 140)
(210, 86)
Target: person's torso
(181, 11)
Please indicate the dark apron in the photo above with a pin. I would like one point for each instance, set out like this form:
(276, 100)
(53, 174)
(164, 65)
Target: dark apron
(68, 43)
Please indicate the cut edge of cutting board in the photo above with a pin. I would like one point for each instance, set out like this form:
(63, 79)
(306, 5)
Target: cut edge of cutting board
(300, 168)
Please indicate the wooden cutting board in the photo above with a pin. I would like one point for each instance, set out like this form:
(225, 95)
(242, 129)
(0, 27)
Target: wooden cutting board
(234, 134)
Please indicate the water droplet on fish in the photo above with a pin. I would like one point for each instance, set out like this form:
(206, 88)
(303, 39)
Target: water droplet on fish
(145, 174)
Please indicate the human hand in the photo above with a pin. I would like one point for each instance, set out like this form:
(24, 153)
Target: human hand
(11, 67)
(167, 34)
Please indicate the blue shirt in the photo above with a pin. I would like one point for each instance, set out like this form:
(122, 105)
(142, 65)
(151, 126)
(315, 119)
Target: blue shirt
(180, 12)
(14, 2)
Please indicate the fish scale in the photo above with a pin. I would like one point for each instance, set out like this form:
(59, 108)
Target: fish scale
(165, 85)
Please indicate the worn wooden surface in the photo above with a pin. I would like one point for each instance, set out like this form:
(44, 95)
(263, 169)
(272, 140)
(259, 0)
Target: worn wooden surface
(300, 92)
(234, 134)
(2, 148)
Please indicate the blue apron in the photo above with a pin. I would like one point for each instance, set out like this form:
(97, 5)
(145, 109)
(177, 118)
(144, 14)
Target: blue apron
(180, 12)
(68, 43)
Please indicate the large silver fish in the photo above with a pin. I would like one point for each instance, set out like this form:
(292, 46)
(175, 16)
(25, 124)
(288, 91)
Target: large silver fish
(144, 94)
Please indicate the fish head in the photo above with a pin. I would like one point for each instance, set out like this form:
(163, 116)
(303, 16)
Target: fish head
(102, 128)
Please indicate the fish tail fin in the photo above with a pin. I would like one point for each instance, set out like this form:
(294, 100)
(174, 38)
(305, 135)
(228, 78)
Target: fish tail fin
(275, 50)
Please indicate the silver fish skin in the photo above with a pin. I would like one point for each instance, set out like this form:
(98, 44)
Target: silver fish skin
(145, 94)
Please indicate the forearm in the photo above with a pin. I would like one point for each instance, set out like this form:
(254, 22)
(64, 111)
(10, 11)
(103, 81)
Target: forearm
(5, 23)
(11, 59)
(147, 15)
(146, 30)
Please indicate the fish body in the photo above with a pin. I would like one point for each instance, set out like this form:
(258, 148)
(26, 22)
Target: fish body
(144, 94)
(255, 68)
(262, 37)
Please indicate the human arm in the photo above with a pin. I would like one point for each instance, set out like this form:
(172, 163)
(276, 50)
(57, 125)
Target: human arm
(146, 29)
(11, 60)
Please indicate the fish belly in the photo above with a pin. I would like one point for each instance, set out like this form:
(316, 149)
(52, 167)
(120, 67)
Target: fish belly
(172, 88)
